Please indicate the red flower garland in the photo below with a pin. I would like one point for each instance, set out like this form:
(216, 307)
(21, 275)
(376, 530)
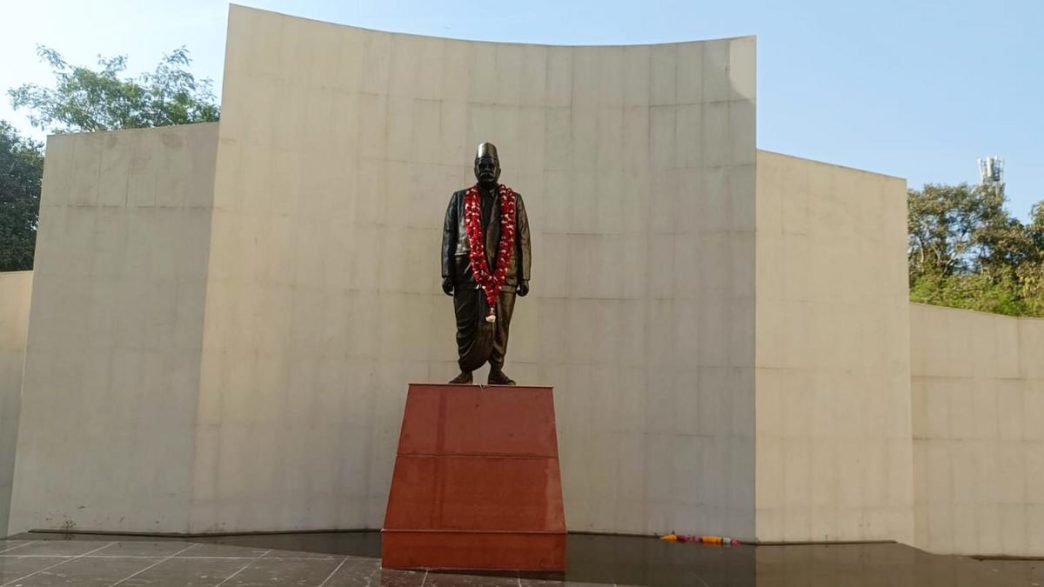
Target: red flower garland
(490, 281)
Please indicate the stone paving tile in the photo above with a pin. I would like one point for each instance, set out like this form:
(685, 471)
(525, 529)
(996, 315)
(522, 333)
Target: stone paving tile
(147, 549)
(300, 554)
(392, 578)
(1030, 572)
(13, 545)
(87, 572)
(356, 571)
(291, 572)
(223, 551)
(188, 572)
(141, 563)
(15, 568)
(362, 544)
(60, 548)
(370, 573)
(546, 583)
(440, 579)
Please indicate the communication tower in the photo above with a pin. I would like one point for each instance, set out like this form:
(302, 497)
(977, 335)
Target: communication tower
(991, 171)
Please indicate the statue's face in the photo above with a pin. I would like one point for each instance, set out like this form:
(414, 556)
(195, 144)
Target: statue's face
(487, 170)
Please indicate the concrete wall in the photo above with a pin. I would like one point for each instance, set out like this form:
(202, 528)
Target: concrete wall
(339, 148)
(15, 290)
(833, 354)
(978, 430)
(112, 364)
(224, 320)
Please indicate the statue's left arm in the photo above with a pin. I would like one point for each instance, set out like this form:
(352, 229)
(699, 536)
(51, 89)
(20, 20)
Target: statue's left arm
(524, 251)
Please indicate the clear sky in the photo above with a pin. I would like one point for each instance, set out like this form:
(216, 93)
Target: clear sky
(914, 89)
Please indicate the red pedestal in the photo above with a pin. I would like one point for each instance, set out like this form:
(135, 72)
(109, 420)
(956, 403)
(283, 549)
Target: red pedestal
(476, 482)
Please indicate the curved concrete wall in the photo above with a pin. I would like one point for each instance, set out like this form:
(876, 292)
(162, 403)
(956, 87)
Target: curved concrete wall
(339, 148)
(225, 318)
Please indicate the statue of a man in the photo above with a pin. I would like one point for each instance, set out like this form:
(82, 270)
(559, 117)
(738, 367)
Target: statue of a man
(485, 261)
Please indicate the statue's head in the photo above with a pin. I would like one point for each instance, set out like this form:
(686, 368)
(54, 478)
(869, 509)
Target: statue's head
(487, 165)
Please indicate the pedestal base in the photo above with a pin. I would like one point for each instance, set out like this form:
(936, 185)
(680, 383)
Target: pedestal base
(476, 482)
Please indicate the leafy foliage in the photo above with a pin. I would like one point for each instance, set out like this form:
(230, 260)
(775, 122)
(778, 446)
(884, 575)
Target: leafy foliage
(966, 251)
(85, 100)
(21, 169)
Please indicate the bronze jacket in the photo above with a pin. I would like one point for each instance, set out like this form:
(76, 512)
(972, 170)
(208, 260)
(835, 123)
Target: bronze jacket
(455, 248)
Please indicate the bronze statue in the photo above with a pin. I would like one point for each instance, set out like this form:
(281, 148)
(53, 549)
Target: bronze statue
(485, 261)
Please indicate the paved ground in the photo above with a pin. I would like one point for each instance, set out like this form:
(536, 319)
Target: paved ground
(352, 558)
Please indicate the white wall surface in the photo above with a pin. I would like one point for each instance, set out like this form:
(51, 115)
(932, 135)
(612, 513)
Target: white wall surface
(978, 432)
(339, 149)
(105, 440)
(224, 320)
(833, 354)
(16, 289)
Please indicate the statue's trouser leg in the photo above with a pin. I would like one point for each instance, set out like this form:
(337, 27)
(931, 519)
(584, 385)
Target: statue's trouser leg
(473, 339)
(505, 307)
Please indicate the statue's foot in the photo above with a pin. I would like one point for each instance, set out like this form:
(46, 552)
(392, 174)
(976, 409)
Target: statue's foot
(462, 379)
(497, 377)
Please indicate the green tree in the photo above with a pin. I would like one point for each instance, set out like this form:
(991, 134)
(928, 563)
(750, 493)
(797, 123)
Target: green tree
(85, 99)
(1031, 271)
(21, 167)
(941, 225)
(966, 251)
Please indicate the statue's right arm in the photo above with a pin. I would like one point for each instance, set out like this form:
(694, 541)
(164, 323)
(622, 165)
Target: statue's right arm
(449, 242)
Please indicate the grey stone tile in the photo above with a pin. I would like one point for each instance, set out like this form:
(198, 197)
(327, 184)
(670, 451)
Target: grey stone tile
(188, 572)
(87, 572)
(393, 578)
(551, 583)
(301, 554)
(437, 579)
(370, 573)
(223, 551)
(6, 545)
(594, 561)
(14, 568)
(61, 547)
(1030, 572)
(356, 571)
(547, 583)
(275, 571)
(147, 548)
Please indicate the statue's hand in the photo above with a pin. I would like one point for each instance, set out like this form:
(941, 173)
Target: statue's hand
(522, 289)
(447, 285)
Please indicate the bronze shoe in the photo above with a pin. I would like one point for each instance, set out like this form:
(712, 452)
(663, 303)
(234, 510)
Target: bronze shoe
(463, 379)
(498, 377)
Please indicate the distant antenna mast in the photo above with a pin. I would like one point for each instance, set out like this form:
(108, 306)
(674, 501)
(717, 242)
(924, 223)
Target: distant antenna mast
(991, 171)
